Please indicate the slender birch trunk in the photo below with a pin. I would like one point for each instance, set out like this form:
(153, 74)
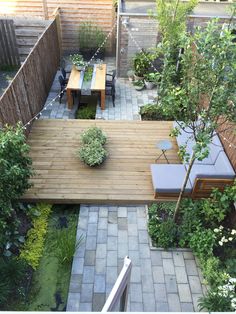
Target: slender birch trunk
(177, 207)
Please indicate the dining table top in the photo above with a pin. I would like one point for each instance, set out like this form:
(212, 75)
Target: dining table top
(98, 83)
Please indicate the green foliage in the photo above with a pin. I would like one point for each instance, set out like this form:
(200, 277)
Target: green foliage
(15, 171)
(12, 274)
(93, 154)
(93, 133)
(214, 302)
(15, 164)
(190, 215)
(162, 229)
(86, 112)
(202, 242)
(52, 276)
(88, 74)
(213, 272)
(218, 205)
(142, 62)
(78, 60)
(65, 244)
(154, 112)
(33, 247)
(172, 19)
(91, 36)
(209, 70)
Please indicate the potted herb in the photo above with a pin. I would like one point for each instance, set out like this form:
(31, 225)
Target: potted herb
(78, 61)
(151, 79)
(91, 37)
(138, 84)
(141, 63)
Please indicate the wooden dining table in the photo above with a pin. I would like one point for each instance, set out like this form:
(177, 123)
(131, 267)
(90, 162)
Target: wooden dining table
(98, 84)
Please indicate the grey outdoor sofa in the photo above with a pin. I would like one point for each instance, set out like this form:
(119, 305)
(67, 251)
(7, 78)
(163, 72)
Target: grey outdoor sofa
(213, 171)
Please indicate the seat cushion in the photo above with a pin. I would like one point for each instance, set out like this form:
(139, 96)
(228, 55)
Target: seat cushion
(168, 178)
(223, 166)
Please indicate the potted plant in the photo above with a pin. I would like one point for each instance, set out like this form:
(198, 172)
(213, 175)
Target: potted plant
(141, 63)
(91, 37)
(130, 75)
(151, 79)
(78, 61)
(92, 151)
(138, 84)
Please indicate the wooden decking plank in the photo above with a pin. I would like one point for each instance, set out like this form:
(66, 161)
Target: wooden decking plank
(125, 176)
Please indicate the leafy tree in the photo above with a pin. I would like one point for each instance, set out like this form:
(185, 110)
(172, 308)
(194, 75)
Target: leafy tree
(205, 97)
(172, 24)
(15, 171)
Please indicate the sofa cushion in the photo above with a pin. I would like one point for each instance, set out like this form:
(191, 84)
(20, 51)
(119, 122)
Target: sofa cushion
(169, 178)
(221, 170)
(223, 165)
(215, 147)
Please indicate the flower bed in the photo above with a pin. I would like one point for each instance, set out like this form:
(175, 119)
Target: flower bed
(207, 227)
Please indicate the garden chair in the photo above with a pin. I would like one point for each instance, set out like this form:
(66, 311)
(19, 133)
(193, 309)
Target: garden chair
(63, 84)
(111, 91)
(110, 78)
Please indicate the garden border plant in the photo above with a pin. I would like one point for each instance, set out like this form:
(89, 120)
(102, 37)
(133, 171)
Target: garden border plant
(205, 226)
(92, 151)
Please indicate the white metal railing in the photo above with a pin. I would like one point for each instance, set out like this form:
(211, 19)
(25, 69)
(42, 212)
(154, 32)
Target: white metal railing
(117, 300)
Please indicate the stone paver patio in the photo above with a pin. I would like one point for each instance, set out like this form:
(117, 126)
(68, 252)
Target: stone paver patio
(160, 280)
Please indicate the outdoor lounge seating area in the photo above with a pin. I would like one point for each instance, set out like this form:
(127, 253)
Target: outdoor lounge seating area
(215, 171)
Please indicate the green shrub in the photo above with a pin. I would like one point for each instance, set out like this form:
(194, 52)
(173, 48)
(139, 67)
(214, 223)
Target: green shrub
(92, 154)
(5, 290)
(213, 272)
(167, 234)
(91, 36)
(86, 113)
(218, 205)
(33, 247)
(93, 133)
(154, 112)
(161, 227)
(202, 242)
(13, 273)
(15, 172)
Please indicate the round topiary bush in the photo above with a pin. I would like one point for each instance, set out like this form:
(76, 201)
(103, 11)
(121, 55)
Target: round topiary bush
(93, 133)
(93, 153)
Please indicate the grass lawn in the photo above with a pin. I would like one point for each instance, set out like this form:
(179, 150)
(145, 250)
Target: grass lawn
(50, 283)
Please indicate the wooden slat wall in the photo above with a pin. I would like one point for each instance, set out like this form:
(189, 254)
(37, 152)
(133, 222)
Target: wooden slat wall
(8, 47)
(228, 139)
(72, 12)
(25, 96)
(28, 32)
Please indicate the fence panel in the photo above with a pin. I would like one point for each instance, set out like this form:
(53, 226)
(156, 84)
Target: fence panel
(26, 95)
(8, 47)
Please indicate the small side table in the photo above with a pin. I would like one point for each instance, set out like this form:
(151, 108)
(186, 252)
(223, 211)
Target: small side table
(163, 145)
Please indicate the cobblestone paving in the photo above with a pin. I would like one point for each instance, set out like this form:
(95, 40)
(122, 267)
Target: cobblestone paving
(127, 102)
(160, 281)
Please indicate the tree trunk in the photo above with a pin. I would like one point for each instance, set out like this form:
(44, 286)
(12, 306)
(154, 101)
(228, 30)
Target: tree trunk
(177, 207)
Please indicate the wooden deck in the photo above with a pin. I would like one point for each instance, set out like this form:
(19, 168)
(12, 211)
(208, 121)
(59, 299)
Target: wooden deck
(125, 176)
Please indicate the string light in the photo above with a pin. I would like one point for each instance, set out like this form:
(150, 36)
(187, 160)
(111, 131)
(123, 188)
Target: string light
(36, 117)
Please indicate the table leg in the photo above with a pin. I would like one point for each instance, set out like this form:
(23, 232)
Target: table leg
(103, 99)
(69, 98)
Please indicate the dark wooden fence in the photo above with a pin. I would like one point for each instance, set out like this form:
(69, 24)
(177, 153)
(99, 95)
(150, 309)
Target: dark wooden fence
(8, 46)
(26, 95)
(228, 138)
